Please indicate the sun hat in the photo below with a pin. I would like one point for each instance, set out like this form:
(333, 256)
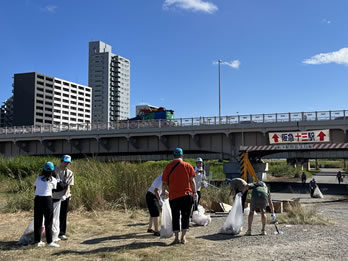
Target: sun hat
(66, 158)
(178, 152)
(49, 166)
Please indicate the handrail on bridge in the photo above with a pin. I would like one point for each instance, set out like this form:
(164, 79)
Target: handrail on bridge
(181, 122)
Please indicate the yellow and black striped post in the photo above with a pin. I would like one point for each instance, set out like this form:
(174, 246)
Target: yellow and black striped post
(246, 167)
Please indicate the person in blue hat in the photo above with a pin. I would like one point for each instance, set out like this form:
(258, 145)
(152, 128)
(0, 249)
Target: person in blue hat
(43, 206)
(179, 177)
(65, 175)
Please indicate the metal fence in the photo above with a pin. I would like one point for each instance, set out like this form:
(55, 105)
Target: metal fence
(182, 122)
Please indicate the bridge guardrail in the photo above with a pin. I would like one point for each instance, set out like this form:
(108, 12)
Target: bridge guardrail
(182, 122)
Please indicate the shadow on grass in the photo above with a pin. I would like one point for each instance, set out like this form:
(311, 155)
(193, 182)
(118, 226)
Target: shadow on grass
(9, 245)
(131, 246)
(219, 237)
(117, 237)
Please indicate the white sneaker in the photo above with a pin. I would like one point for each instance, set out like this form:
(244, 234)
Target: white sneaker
(53, 245)
(63, 237)
(41, 244)
(56, 240)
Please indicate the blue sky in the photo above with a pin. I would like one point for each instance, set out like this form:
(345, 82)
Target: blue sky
(278, 56)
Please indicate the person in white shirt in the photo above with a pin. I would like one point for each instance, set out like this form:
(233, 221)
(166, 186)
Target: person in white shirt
(154, 202)
(200, 179)
(43, 206)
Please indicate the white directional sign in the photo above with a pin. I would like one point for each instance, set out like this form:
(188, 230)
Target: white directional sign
(299, 137)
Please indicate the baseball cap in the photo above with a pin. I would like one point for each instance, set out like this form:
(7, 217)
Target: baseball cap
(66, 158)
(178, 152)
(49, 166)
(199, 160)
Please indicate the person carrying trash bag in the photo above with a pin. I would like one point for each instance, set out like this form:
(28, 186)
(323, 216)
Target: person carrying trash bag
(312, 186)
(237, 185)
(43, 206)
(154, 202)
(178, 176)
(199, 179)
(260, 199)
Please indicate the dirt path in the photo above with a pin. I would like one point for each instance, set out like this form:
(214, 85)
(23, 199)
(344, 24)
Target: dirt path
(116, 235)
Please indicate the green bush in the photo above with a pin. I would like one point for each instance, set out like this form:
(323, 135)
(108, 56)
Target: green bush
(282, 169)
(98, 185)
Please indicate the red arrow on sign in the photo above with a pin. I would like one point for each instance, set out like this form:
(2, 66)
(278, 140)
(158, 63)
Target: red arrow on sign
(321, 136)
(275, 137)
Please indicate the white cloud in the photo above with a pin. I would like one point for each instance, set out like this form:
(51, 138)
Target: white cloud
(233, 64)
(325, 21)
(339, 57)
(194, 5)
(49, 8)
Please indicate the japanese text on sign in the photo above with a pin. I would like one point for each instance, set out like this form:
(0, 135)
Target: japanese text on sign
(299, 137)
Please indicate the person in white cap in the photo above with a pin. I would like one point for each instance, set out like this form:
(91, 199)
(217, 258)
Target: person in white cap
(66, 176)
(200, 179)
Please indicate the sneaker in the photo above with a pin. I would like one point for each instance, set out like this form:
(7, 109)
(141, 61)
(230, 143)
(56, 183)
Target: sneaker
(56, 240)
(63, 237)
(263, 233)
(248, 233)
(53, 245)
(41, 244)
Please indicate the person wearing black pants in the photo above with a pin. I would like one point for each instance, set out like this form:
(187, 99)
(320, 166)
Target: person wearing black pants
(43, 204)
(43, 207)
(63, 216)
(181, 205)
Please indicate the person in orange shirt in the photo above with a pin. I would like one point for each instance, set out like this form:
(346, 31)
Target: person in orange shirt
(178, 176)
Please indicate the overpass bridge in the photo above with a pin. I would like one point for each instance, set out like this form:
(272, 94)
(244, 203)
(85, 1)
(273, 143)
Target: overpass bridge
(208, 137)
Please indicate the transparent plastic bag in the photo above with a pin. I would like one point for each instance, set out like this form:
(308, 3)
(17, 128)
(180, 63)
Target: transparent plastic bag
(200, 219)
(234, 221)
(28, 236)
(317, 193)
(166, 220)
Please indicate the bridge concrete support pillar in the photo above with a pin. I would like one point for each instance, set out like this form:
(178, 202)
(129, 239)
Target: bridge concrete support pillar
(49, 145)
(164, 140)
(105, 143)
(133, 141)
(197, 140)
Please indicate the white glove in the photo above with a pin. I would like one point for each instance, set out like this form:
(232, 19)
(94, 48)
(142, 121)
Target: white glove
(240, 194)
(205, 184)
(160, 202)
(195, 197)
(63, 198)
(273, 216)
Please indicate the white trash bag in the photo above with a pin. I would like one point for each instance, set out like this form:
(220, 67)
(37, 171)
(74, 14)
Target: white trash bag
(200, 219)
(166, 220)
(234, 221)
(317, 193)
(28, 236)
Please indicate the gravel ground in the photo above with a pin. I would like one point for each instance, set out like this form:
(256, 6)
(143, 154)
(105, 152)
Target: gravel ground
(299, 242)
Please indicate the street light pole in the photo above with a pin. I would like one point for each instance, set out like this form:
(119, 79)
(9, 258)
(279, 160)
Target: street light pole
(219, 61)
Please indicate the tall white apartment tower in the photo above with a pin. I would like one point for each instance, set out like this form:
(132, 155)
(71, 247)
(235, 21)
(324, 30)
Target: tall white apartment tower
(109, 77)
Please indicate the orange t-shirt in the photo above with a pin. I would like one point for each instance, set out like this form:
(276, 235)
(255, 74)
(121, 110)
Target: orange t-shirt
(179, 179)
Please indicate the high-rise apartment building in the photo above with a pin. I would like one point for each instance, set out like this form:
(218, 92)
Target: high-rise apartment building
(6, 113)
(40, 99)
(109, 77)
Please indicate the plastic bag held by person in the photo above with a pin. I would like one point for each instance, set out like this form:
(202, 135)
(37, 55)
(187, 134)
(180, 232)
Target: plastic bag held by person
(234, 221)
(200, 218)
(166, 220)
(317, 193)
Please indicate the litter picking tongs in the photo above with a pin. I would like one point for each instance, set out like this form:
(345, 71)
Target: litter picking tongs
(277, 230)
